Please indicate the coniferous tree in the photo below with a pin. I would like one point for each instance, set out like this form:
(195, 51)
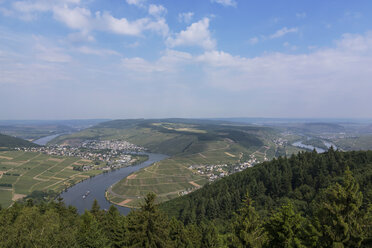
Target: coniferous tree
(339, 214)
(285, 228)
(115, 227)
(210, 237)
(178, 234)
(195, 234)
(148, 227)
(247, 228)
(367, 226)
(96, 211)
(90, 234)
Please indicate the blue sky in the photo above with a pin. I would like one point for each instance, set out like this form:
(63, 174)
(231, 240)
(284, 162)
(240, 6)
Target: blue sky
(68, 59)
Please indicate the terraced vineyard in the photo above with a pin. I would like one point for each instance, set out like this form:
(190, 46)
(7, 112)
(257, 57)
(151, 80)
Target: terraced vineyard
(24, 172)
(174, 177)
(194, 147)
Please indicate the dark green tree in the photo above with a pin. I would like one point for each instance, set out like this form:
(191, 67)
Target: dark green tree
(339, 214)
(148, 227)
(115, 227)
(178, 234)
(285, 228)
(96, 211)
(90, 234)
(210, 237)
(247, 229)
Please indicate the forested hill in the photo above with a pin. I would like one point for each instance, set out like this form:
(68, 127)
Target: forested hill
(173, 136)
(308, 200)
(11, 142)
(299, 178)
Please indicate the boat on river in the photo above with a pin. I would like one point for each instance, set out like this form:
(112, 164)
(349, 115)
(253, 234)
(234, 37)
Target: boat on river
(86, 194)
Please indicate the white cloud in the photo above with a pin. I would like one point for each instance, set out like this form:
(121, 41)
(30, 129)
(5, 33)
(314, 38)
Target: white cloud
(80, 37)
(197, 34)
(356, 42)
(6, 12)
(311, 76)
(139, 3)
(253, 40)
(107, 22)
(76, 18)
(157, 10)
(82, 19)
(159, 26)
(301, 15)
(185, 17)
(49, 52)
(79, 18)
(353, 15)
(289, 46)
(41, 5)
(171, 61)
(133, 45)
(283, 31)
(225, 2)
(98, 52)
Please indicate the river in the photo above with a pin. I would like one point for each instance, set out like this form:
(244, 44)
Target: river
(44, 140)
(97, 186)
(310, 147)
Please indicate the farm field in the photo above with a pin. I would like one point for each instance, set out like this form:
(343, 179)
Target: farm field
(24, 172)
(168, 179)
(191, 144)
(173, 177)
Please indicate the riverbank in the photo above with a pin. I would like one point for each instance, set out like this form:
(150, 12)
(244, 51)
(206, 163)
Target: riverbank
(98, 185)
(327, 144)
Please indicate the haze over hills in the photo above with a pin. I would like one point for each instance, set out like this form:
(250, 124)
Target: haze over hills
(186, 124)
(7, 141)
(36, 129)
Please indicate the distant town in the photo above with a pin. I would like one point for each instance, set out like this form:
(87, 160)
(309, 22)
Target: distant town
(216, 171)
(115, 154)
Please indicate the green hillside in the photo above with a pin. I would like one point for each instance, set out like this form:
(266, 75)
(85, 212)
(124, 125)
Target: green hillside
(299, 178)
(12, 142)
(169, 136)
(24, 173)
(312, 200)
(188, 142)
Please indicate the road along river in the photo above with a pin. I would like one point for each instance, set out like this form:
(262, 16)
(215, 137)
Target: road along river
(78, 197)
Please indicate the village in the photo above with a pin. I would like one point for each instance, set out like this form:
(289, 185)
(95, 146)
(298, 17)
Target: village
(115, 154)
(216, 171)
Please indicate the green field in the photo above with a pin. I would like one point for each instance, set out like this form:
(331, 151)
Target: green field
(361, 142)
(24, 172)
(188, 142)
(173, 177)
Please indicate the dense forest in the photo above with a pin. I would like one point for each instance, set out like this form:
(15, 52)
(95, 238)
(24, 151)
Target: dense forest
(12, 142)
(307, 200)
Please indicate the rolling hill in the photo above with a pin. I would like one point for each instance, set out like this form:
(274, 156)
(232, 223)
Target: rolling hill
(300, 178)
(199, 150)
(12, 142)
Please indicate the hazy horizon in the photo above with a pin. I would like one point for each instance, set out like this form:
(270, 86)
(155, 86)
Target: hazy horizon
(80, 59)
(234, 119)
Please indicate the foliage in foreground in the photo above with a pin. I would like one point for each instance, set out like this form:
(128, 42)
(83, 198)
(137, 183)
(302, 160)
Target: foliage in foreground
(339, 218)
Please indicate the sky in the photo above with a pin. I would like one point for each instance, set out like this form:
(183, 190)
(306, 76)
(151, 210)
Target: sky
(81, 59)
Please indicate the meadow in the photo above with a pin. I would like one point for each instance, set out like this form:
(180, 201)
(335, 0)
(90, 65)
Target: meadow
(24, 172)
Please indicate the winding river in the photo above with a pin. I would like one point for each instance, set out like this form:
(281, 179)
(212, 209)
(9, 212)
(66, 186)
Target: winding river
(317, 149)
(44, 140)
(97, 186)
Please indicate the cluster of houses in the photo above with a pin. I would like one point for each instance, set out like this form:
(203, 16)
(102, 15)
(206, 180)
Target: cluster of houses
(216, 171)
(280, 142)
(113, 153)
(115, 145)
